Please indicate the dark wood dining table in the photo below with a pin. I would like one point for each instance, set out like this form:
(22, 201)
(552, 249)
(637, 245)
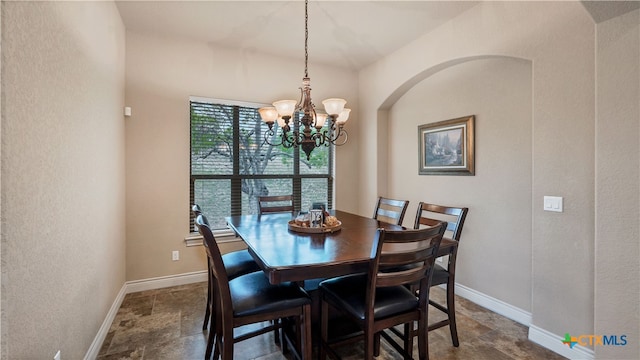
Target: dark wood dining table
(287, 255)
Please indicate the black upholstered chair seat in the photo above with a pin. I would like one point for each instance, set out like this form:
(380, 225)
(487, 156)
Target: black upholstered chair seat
(440, 275)
(238, 263)
(349, 292)
(252, 294)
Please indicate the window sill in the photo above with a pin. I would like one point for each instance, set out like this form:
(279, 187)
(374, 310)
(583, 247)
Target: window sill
(222, 236)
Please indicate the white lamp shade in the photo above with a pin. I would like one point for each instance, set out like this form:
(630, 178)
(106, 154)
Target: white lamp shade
(343, 117)
(268, 114)
(320, 120)
(334, 106)
(285, 107)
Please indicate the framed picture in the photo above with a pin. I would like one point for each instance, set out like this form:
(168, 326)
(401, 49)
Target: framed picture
(447, 147)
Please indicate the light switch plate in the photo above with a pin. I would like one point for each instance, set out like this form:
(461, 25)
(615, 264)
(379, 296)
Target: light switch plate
(553, 203)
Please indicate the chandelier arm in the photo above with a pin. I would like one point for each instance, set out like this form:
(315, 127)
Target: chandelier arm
(331, 133)
(286, 140)
(300, 103)
(294, 138)
(319, 137)
(335, 133)
(270, 134)
(341, 133)
(312, 113)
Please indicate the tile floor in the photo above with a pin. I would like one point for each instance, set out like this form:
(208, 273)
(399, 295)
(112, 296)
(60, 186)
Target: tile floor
(167, 324)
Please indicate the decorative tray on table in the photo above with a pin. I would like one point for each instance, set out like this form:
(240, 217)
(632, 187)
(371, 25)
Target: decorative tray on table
(314, 230)
(301, 224)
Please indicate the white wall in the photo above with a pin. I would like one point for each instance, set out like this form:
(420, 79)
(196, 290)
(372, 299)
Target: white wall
(558, 39)
(63, 239)
(161, 75)
(617, 265)
(498, 92)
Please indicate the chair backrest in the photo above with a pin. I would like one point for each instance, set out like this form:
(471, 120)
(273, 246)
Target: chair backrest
(390, 210)
(275, 204)
(403, 257)
(431, 214)
(195, 209)
(216, 264)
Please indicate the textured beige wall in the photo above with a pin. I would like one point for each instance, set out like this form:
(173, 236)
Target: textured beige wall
(3, 336)
(161, 75)
(617, 264)
(558, 38)
(63, 224)
(498, 92)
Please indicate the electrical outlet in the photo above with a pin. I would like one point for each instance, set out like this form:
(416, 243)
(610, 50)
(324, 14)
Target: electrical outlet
(175, 256)
(57, 356)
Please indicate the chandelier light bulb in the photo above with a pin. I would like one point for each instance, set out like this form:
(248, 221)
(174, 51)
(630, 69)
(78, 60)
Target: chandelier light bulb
(285, 107)
(320, 120)
(334, 106)
(343, 117)
(268, 114)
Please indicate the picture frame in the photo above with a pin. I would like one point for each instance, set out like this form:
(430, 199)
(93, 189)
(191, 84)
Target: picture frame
(447, 147)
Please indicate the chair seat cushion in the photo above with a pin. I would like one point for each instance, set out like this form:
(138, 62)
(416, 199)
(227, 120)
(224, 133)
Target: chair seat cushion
(312, 284)
(253, 294)
(440, 275)
(349, 293)
(239, 263)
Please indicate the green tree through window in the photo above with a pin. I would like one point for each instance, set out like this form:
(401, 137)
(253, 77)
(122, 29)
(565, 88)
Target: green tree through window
(231, 164)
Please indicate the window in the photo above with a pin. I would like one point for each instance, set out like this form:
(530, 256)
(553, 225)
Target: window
(231, 164)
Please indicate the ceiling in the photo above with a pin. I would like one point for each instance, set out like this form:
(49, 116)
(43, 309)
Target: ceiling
(351, 34)
(604, 10)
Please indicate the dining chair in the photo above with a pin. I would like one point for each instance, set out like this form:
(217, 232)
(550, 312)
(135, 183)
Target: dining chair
(251, 299)
(236, 263)
(275, 204)
(381, 298)
(270, 204)
(390, 210)
(430, 215)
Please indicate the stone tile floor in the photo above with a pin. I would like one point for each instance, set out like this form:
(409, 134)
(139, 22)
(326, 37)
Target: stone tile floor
(167, 324)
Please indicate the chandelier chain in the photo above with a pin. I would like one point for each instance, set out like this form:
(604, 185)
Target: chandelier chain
(306, 38)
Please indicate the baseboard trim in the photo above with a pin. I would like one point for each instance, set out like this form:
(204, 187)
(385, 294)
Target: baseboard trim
(554, 343)
(498, 306)
(166, 281)
(135, 286)
(94, 349)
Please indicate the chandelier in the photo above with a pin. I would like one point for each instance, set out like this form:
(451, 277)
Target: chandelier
(301, 125)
